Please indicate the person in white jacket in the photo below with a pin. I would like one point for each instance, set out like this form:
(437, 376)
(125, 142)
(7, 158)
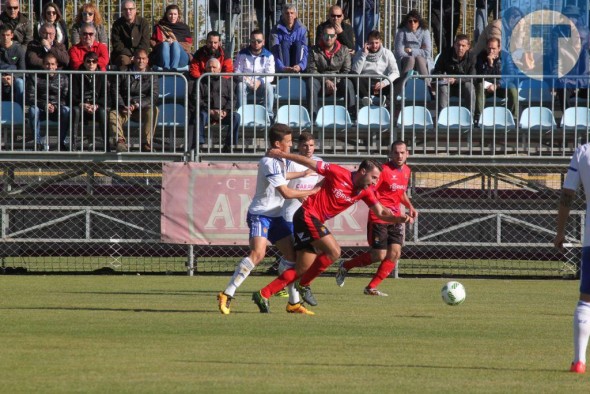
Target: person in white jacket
(251, 60)
(375, 59)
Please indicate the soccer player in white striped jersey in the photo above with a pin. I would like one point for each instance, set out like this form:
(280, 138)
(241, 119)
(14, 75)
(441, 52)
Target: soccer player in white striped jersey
(264, 217)
(306, 147)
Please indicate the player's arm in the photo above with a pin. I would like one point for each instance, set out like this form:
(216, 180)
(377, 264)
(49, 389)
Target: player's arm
(299, 174)
(408, 204)
(387, 216)
(305, 161)
(566, 200)
(289, 193)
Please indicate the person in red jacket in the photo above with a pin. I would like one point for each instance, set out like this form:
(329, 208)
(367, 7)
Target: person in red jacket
(87, 44)
(212, 49)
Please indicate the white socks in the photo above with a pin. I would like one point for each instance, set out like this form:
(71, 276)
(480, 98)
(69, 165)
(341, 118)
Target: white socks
(581, 330)
(294, 297)
(242, 271)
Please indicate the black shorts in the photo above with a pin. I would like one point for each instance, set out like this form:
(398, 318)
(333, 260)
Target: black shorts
(380, 235)
(306, 229)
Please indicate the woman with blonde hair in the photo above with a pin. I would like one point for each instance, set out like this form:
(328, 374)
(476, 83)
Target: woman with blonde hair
(89, 13)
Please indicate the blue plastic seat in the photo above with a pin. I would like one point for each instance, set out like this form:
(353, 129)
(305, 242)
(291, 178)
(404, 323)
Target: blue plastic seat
(497, 118)
(172, 89)
(374, 118)
(253, 116)
(537, 118)
(415, 116)
(291, 90)
(534, 93)
(333, 116)
(454, 118)
(576, 119)
(296, 116)
(416, 92)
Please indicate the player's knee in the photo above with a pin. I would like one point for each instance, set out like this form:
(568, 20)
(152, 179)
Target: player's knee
(335, 253)
(256, 257)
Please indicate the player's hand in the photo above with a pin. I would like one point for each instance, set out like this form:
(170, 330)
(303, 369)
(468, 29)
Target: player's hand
(408, 219)
(275, 153)
(308, 172)
(413, 213)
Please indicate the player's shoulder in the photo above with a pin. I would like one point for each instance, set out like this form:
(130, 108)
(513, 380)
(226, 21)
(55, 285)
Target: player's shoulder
(270, 163)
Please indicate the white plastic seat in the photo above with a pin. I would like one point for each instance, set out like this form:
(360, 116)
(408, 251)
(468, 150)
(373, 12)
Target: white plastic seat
(415, 116)
(537, 118)
(497, 118)
(374, 118)
(454, 118)
(333, 116)
(253, 116)
(296, 116)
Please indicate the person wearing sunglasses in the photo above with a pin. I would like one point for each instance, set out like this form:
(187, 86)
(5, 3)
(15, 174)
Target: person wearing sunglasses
(89, 96)
(329, 57)
(46, 43)
(52, 14)
(413, 47)
(87, 44)
(17, 21)
(344, 31)
(171, 41)
(256, 59)
(89, 14)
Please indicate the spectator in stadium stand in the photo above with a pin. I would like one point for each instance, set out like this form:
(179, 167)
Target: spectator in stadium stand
(413, 48)
(268, 14)
(265, 219)
(289, 43)
(458, 60)
(38, 6)
(385, 239)
(497, 66)
(212, 49)
(17, 21)
(315, 247)
(329, 57)
(134, 95)
(483, 10)
(89, 93)
(46, 97)
(256, 59)
(226, 11)
(364, 15)
(171, 41)
(578, 172)
(444, 19)
(12, 57)
(37, 49)
(52, 15)
(215, 105)
(375, 59)
(88, 44)
(129, 33)
(344, 31)
(88, 13)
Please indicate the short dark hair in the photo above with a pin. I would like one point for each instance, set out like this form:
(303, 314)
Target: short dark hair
(396, 143)
(328, 26)
(213, 33)
(49, 55)
(256, 32)
(375, 34)
(461, 37)
(305, 136)
(370, 164)
(5, 28)
(277, 132)
(494, 39)
(138, 51)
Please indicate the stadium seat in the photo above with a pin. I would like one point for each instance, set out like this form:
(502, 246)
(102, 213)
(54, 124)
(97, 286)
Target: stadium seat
(577, 120)
(415, 92)
(296, 116)
(537, 118)
(374, 118)
(497, 118)
(291, 90)
(533, 92)
(454, 118)
(12, 122)
(333, 117)
(172, 89)
(253, 116)
(415, 117)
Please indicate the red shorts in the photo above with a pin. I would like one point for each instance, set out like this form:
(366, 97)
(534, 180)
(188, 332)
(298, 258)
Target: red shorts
(381, 235)
(306, 229)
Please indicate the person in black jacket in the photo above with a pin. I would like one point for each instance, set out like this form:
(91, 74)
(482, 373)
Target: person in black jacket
(129, 33)
(215, 106)
(344, 31)
(17, 21)
(46, 97)
(89, 92)
(12, 57)
(134, 95)
(458, 60)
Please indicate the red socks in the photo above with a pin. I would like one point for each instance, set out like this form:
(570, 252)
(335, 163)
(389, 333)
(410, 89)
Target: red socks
(386, 267)
(279, 283)
(359, 261)
(319, 265)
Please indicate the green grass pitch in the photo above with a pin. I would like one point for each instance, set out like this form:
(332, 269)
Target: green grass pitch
(159, 334)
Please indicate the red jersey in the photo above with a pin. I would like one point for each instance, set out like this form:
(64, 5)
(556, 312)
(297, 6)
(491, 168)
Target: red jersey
(336, 194)
(391, 187)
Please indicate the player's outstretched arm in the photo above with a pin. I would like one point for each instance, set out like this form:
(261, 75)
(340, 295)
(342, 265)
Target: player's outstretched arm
(306, 161)
(289, 193)
(408, 204)
(386, 215)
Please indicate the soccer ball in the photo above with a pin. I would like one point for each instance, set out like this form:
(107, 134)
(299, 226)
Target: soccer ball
(453, 293)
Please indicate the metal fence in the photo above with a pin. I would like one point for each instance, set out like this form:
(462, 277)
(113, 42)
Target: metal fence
(475, 220)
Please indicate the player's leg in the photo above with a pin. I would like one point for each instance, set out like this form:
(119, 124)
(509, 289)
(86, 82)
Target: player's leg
(259, 230)
(395, 238)
(376, 238)
(582, 316)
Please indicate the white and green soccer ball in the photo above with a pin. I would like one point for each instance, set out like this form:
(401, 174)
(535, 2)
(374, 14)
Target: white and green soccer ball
(453, 293)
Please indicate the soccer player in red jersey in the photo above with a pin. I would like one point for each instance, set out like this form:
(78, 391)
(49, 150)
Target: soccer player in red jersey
(385, 239)
(316, 248)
